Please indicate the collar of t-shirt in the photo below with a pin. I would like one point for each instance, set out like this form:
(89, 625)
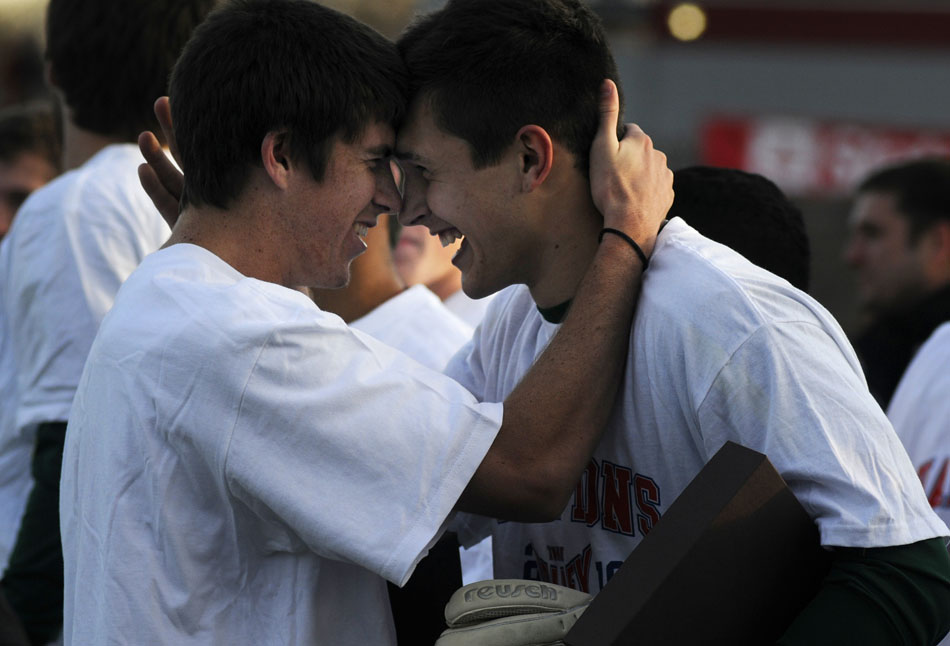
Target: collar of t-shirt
(555, 314)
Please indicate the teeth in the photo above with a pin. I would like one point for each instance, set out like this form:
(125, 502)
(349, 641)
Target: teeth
(449, 236)
(361, 229)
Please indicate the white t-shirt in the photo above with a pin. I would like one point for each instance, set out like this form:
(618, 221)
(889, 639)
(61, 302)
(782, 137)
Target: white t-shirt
(720, 350)
(16, 449)
(920, 412)
(417, 323)
(470, 310)
(71, 245)
(243, 468)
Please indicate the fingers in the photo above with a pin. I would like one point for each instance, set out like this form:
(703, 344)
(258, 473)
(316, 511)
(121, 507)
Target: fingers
(161, 198)
(161, 180)
(606, 137)
(163, 112)
(170, 177)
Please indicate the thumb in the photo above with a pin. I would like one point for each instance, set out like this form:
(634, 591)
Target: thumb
(163, 113)
(609, 114)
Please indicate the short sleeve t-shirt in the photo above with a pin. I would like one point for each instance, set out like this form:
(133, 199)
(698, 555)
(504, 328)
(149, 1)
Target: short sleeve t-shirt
(16, 448)
(920, 412)
(71, 245)
(241, 467)
(720, 350)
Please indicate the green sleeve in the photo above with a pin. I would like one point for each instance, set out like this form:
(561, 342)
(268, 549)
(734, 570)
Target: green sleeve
(886, 595)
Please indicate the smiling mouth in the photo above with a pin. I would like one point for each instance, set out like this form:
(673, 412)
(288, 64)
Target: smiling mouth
(449, 236)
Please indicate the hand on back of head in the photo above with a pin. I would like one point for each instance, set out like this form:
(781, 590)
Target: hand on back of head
(630, 182)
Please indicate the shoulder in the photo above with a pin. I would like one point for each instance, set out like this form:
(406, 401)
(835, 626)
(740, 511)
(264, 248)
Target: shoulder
(104, 194)
(189, 297)
(696, 283)
(109, 181)
(703, 305)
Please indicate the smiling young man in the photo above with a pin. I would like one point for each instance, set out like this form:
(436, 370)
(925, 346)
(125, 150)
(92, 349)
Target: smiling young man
(268, 467)
(503, 109)
(72, 244)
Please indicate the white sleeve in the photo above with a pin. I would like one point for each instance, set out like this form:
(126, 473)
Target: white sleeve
(356, 448)
(790, 393)
(466, 367)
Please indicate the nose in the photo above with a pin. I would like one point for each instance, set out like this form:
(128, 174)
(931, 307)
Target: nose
(387, 197)
(853, 253)
(414, 206)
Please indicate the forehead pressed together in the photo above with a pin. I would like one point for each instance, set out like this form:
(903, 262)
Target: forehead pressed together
(496, 105)
(318, 73)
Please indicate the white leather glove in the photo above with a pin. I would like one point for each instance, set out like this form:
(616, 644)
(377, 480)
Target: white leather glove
(511, 612)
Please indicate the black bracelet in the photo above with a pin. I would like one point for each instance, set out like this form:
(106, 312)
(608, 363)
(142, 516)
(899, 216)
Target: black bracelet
(642, 256)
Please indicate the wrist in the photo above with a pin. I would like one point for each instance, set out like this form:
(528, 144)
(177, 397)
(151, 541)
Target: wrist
(628, 241)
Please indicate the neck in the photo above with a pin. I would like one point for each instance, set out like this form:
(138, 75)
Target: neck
(79, 145)
(241, 237)
(568, 243)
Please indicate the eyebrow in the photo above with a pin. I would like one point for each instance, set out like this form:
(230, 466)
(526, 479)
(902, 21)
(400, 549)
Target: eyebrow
(408, 155)
(382, 150)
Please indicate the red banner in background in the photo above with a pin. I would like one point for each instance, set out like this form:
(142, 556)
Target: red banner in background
(813, 158)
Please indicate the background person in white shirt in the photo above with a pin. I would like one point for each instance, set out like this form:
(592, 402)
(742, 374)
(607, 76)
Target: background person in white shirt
(273, 466)
(30, 155)
(72, 244)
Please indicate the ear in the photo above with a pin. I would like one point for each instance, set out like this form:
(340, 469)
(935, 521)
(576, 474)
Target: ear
(933, 248)
(940, 239)
(49, 74)
(535, 156)
(275, 155)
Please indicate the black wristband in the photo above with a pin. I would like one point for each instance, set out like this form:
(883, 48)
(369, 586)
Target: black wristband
(642, 256)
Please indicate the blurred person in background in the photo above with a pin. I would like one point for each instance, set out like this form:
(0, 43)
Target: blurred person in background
(920, 413)
(900, 252)
(422, 259)
(73, 242)
(30, 152)
(748, 213)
